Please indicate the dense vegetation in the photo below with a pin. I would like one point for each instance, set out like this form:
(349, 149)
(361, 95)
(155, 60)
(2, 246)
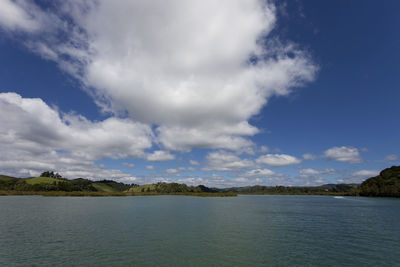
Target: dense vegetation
(54, 182)
(329, 189)
(165, 188)
(386, 184)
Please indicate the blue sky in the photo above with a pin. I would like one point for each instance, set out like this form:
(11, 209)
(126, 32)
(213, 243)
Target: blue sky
(223, 94)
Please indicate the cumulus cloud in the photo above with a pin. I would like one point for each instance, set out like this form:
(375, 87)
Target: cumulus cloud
(311, 171)
(343, 154)
(160, 155)
(30, 124)
(37, 137)
(22, 163)
(149, 167)
(182, 66)
(226, 161)
(278, 160)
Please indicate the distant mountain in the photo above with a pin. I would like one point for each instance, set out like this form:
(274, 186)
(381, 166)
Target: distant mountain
(386, 184)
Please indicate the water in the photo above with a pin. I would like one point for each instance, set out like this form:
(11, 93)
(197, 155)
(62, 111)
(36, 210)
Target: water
(179, 230)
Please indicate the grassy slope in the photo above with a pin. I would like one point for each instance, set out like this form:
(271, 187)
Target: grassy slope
(104, 188)
(138, 189)
(7, 178)
(42, 180)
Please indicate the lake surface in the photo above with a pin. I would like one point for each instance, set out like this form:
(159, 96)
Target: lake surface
(192, 231)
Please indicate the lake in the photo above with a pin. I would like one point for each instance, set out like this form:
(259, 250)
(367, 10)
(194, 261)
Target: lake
(193, 231)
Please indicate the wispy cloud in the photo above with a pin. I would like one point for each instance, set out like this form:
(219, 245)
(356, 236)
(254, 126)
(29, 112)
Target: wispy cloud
(391, 157)
(311, 171)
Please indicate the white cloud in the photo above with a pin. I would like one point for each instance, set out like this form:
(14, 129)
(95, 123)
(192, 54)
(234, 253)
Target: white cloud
(391, 157)
(171, 171)
(22, 128)
(160, 155)
(181, 66)
(311, 171)
(343, 154)
(226, 161)
(16, 16)
(366, 173)
(149, 167)
(358, 176)
(129, 165)
(278, 160)
(309, 156)
(22, 163)
(311, 180)
(212, 136)
(264, 149)
(35, 137)
(258, 173)
(193, 162)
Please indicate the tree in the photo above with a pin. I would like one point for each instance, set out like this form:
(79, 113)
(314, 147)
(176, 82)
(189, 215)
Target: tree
(51, 174)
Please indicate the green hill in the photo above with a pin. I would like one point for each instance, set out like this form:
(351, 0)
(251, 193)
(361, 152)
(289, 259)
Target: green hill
(167, 188)
(46, 184)
(5, 178)
(386, 184)
(143, 188)
(100, 187)
(110, 186)
(328, 189)
(42, 180)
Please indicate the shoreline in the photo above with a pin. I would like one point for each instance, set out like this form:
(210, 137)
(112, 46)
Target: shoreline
(124, 194)
(106, 194)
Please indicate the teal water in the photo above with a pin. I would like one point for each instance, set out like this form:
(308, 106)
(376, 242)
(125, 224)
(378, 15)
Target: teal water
(193, 231)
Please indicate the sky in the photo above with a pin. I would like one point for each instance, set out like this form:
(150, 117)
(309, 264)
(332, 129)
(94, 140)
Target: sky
(220, 93)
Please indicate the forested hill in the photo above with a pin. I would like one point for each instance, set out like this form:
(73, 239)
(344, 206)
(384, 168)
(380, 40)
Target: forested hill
(54, 182)
(328, 189)
(386, 184)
